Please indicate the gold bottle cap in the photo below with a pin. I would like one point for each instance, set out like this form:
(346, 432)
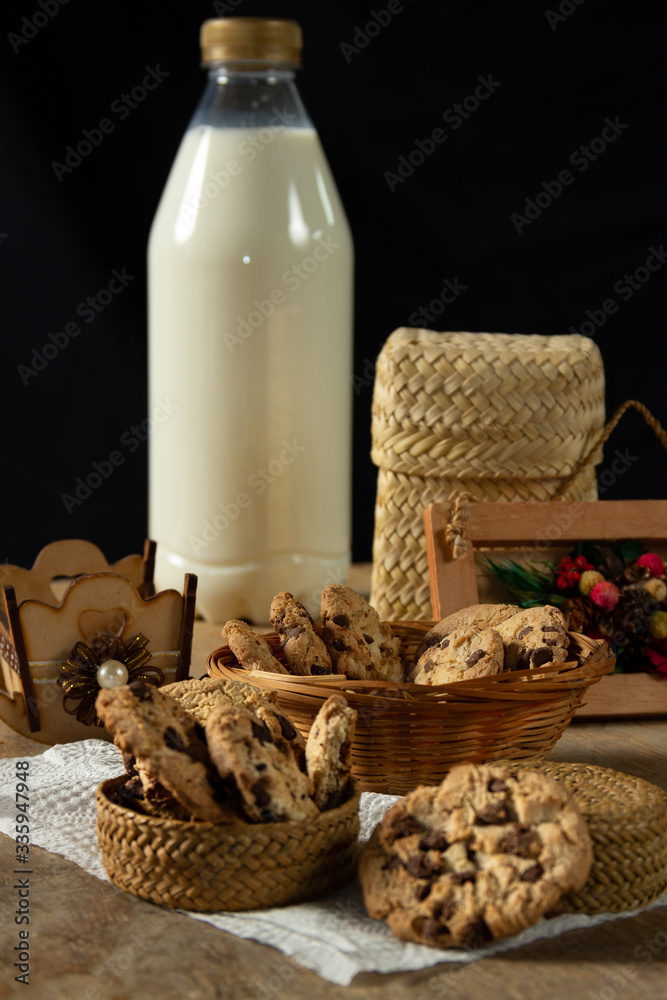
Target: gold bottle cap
(228, 39)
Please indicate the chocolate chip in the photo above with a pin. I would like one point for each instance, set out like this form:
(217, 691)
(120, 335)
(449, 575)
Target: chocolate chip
(434, 841)
(286, 727)
(460, 878)
(405, 826)
(339, 645)
(341, 620)
(294, 631)
(524, 631)
(475, 657)
(423, 866)
(551, 628)
(495, 812)
(532, 874)
(540, 656)
(317, 670)
(261, 733)
(444, 644)
(428, 666)
(260, 767)
(141, 690)
(173, 739)
(432, 930)
(476, 934)
(423, 891)
(497, 785)
(431, 641)
(368, 638)
(260, 794)
(445, 910)
(519, 841)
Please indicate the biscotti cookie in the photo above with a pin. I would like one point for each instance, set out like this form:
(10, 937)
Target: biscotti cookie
(167, 745)
(269, 781)
(200, 696)
(460, 656)
(533, 637)
(477, 616)
(361, 646)
(304, 649)
(250, 649)
(481, 856)
(328, 747)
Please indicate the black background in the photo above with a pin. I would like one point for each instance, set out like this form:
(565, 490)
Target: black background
(563, 69)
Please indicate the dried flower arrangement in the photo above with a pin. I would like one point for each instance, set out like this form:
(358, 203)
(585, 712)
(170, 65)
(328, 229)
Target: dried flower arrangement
(614, 591)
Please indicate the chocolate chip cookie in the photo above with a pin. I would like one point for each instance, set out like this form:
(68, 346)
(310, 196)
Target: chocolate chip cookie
(250, 649)
(303, 647)
(166, 745)
(361, 646)
(460, 656)
(328, 752)
(533, 637)
(477, 616)
(200, 696)
(263, 769)
(481, 856)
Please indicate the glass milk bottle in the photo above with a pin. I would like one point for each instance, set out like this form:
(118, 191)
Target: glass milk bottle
(250, 269)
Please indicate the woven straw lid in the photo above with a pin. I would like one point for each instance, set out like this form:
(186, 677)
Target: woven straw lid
(488, 405)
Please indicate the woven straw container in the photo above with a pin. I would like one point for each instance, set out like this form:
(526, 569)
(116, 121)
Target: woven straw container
(412, 734)
(209, 866)
(627, 821)
(498, 416)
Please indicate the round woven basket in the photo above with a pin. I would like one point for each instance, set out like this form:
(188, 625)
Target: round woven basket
(207, 866)
(497, 416)
(412, 734)
(627, 820)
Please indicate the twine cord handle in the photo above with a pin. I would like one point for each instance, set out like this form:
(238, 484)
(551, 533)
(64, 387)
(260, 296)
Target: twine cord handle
(587, 460)
(455, 529)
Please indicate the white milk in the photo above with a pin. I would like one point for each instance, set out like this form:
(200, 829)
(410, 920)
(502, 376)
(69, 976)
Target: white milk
(250, 318)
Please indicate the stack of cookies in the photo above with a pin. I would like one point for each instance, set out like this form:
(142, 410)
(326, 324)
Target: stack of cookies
(488, 639)
(351, 641)
(221, 752)
(482, 855)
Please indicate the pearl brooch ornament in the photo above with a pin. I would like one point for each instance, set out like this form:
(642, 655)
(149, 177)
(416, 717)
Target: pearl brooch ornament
(112, 673)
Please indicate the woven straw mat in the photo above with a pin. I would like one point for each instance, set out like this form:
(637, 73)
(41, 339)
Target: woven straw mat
(498, 416)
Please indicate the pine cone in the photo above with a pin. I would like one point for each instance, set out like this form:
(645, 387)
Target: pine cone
(578, 613)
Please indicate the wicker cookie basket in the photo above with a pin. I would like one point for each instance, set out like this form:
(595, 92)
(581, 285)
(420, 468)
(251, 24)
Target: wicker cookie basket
(207, 866)
(411, 734)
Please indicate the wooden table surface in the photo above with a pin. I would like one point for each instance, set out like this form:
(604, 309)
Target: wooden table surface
(91, 941)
